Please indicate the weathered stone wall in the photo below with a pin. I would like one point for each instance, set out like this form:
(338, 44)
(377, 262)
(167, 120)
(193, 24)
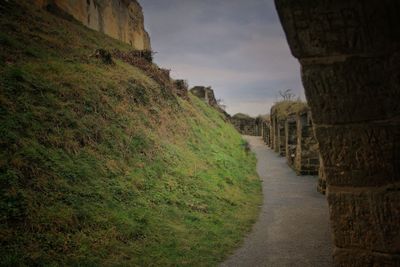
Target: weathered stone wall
(302, 152)
(266, 134)
(206, 94)
(291, 140)
(321, 186)
(281, 138)
(307, 153)
(182, 88)
(274, 133)
(350, 57)
(245, 126)
(259, 125)
(120, 19)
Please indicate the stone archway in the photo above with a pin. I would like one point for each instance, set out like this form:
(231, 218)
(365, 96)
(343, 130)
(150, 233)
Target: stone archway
(349, 51)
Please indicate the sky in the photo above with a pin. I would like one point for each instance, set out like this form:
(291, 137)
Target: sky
(235, 46)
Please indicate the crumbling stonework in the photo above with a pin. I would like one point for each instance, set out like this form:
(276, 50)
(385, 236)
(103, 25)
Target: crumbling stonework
(266, 132)
(307, 152)
(278, 135)
(120, 19)
(281, 137)
(301, 147)
(349, 52)
(321, 186)
(206, 94)
(274, 132)
(291, 139)
(182, 88)
(245, 124)
(161, 76)
(279, 114)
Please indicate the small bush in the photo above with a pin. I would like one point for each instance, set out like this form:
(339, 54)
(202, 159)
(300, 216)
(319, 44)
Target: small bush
(246, 146)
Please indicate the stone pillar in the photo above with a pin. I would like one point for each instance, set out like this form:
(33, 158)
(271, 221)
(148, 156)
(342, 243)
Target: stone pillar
(281, 138)
(266, 132)
(321, 186)
(275, 133)
(291, 139)
(307, 156)
(349, 53)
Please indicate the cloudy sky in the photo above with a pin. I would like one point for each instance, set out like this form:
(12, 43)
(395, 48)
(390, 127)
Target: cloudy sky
(236, 46)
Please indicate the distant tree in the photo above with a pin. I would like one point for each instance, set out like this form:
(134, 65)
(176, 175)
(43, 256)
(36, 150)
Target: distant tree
(287, 95)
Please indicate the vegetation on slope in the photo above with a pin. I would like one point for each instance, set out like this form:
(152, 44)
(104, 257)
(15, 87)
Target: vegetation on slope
(102, 166)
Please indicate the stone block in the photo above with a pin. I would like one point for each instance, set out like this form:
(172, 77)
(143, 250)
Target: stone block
(357, 258)
(367, 220)
(361, 154)
(340, 27)
(355, 90)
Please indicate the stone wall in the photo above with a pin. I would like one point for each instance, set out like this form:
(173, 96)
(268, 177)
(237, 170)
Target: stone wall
(291, 135)
(266, 132)
(307, 152)
(301, 147)
(350, 58)
(245, 125)
(291, 140)
(281, 138)
(259, 125)
(182, 88)
(274, 133)
(321, 186)
(206, 94)
(120, 19)
(278, 135)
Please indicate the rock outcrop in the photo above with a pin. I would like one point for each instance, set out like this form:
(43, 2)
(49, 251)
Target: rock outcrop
(206, 94)
(120, 19)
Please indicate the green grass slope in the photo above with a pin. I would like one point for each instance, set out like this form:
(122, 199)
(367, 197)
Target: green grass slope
(102, 166)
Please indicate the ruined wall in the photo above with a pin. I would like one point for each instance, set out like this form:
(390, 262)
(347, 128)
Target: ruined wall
(291, 139)
(302, 152)
(278, 135)
(274, 133)
(266, 133)
(206, 94)
(120, 19)
(259, 125)
(245, 125)
(307, 153)
(281, 138)
(350, 57)
(182, 88)
(321, 186)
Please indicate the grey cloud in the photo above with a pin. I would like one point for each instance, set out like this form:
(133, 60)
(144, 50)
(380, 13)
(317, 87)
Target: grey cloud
(235, 46)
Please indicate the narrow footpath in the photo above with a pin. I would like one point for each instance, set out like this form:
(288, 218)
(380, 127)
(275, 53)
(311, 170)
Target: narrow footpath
(293, 226)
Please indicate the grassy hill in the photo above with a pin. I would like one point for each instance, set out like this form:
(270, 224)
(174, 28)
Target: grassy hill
(100, 165)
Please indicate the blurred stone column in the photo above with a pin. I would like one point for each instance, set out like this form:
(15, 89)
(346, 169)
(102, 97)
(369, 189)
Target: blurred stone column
(349, 53)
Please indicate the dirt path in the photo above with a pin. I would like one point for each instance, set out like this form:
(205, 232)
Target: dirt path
(293, 227)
